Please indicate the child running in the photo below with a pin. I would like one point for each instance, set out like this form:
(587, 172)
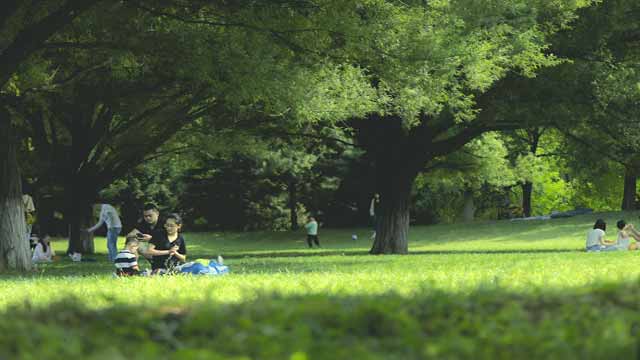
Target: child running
(312, 231)
(126, 261)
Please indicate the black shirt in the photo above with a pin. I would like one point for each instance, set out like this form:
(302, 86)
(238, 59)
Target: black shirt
(161, 242)
(146, 228)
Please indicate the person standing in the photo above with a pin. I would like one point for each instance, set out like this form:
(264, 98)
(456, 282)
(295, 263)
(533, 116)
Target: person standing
(312, 231)
(29, 214)
(373, 213)
(109, 217)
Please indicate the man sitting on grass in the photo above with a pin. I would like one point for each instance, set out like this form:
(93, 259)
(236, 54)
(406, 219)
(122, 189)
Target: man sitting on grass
(126, 261)
(151, 226)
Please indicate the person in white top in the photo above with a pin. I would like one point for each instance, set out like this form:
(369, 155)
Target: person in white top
(596, 240)
(625, 233)
(373, 213)
(109, 217)
(43, 251)
(29, 213)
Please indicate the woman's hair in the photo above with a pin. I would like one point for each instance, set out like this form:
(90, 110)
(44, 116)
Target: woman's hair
(43, 242)
(600, 224)
(621, 224)
(177, 218)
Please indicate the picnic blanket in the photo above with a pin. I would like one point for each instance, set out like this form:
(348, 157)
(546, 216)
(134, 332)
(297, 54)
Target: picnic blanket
(203, 267)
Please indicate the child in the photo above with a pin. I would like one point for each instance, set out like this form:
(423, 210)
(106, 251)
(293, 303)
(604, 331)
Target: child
(126, 261)
(169, 248)
(43, 252)
(312, 231)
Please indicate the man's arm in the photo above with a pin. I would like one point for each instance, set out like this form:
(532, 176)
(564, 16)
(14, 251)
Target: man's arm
(100, 221)
(135, 232)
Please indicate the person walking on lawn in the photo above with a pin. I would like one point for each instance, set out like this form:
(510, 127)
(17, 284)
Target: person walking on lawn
(312, 231)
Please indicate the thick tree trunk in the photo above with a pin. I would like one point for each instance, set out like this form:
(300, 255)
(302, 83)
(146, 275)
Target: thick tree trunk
(393, 218)
(79, 239)
(80, 217)
(629, 194)
(293, 204)
(527, 191)
(534, 136)
(469, 210)
(14, 247)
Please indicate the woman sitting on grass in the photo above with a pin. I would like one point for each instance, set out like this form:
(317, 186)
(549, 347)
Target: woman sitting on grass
(625, 233)
(43, 252)
(596, 240)
(168, 249)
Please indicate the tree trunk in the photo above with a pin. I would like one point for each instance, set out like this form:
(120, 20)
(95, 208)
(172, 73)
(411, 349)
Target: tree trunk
(393, 218)
(527, 191)
(79, 239)
(469, 210)
(14, 248)
(293, 204)
(534, 136)
(80, 217)
(629, 194)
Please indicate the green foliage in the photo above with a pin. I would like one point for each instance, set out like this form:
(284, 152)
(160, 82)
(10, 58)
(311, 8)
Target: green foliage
(481, 168)
(485, 324)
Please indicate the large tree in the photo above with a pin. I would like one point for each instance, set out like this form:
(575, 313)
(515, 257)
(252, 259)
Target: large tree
(111, 90)
(436, 71)
(25, 27)
(600, 89)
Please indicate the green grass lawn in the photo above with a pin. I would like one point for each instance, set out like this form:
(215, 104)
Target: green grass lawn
(484, 289)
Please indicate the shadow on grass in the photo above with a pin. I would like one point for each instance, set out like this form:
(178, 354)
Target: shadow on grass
(313, 253)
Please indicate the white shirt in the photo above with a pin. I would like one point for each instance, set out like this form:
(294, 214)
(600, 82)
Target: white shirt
(27, 200)
(42, 256)
(372, 207)
(108, 216)
(594, 236)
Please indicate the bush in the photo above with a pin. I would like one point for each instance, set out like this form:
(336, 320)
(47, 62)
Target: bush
(490, 323)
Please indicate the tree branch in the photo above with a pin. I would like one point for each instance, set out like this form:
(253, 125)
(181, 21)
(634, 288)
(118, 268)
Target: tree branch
(72, 78)
(32, 38)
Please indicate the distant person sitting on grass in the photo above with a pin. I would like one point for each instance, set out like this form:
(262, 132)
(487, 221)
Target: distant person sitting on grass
(43, 252)
(126, 261)
(169, 248)
(625, 233)
(596, 240)
(312, 231)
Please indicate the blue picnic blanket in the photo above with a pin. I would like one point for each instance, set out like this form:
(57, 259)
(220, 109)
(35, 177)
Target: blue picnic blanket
(200, 267)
